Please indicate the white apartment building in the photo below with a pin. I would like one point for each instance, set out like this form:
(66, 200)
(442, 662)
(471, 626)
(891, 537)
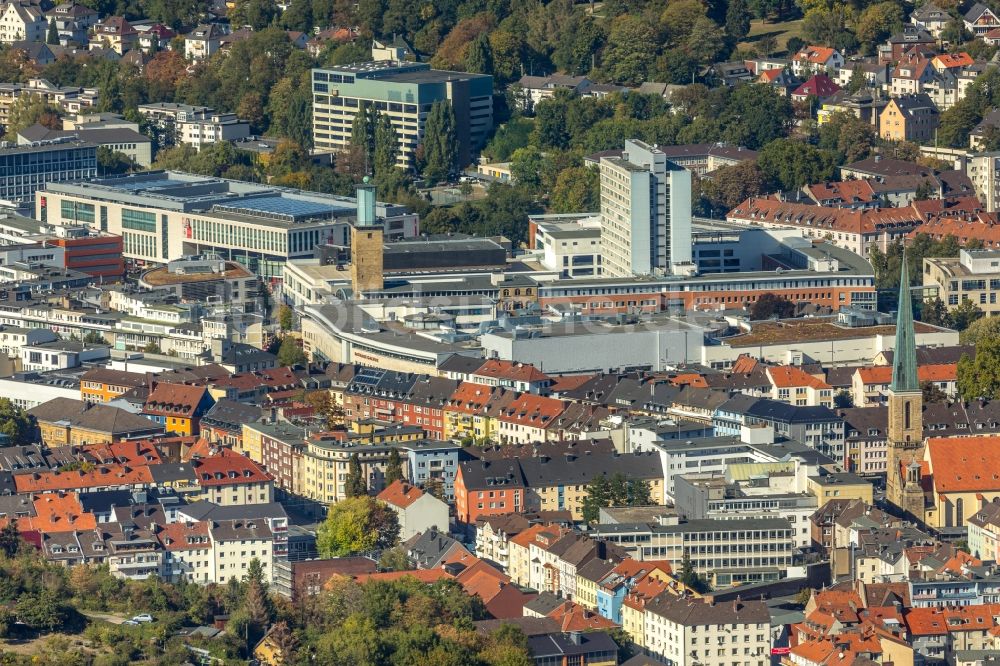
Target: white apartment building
(645, 213)
(236, 542)
(22, 22)
(688, 632)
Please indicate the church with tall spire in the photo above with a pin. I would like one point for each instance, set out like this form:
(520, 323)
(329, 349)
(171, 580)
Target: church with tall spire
(905, 427)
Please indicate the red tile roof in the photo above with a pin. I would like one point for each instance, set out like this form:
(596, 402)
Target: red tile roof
(510, 370)
(133, 452)
(55, 512)
(227, 467)
(102, 476)
(469, 398)
(939, 621)
(174, 400)
(965, 464)
(882, 374)
(848, 191)
(818, 55)
(819, 85)
(950, 60)
(533, 410)
(788, 376)
(400, 494)
(184, 536)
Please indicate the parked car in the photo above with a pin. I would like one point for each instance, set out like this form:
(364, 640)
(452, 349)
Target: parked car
(141, 619)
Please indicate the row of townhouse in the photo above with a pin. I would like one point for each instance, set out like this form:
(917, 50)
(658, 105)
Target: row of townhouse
(547, 482)
(140, 534)
(315, 466)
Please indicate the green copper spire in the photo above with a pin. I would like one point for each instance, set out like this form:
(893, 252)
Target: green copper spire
(904, 358)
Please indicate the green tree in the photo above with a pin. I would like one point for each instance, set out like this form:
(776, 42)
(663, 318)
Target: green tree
(738, 19)
(356, 484)
(28, 110)
(707, 41)
(255, 14)
(324, 404)
(843, 399)
(935, 313)
(630, 51)
(15, 423)
(286, 318)
(52, 37)
(526, 166)
(755, 116)
(963, 315)
(852, 138)
(357, 525)
(41, 610)
(479, 57)
(598, 496)
(111, 162)
(857, 80)
(440, 146)
(979, 377)
(394, 468)
(790, 163)
(878, 22)
(931, 393)
(298, 16)
(689, 577)
(577, 190)
(984, 327)
(290, 353)
(10, 539)
(732, 185)
(924, 191)
(363, 134)
(386, 146)
(395, 559)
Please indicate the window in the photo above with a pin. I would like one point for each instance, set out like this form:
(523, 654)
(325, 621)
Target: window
(77, 212)
(138, 220)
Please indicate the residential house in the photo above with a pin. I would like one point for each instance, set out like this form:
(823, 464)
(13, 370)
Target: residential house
(984, 532)
(114, 33)
(227, 478)
(931, 18)
(816, 59)
(73, 22)
(530, 90)
(203, 42)
(980, 20)
(795, 386)
(912, 75)
(22, 21)
(104, 384)
(417, 510)
(64, 421)
(870, 385)
(903, 41)
(156, 37)
(820, 86)
(488, 488)
(690, 631)
(178, 407)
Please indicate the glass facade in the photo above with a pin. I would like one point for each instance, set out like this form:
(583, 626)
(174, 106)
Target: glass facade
(74, 211)
(138, 220)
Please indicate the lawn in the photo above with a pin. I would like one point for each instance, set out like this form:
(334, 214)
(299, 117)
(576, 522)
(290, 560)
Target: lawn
(782, 32)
